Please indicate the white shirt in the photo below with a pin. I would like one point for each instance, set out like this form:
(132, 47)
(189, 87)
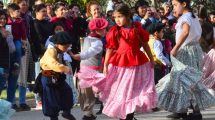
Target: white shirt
(195, 28)
(95, 48)
(158, 50)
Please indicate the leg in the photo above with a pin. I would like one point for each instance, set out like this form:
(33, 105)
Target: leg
(87, 102)
(3, 78)
(50, 106)
(22, 98)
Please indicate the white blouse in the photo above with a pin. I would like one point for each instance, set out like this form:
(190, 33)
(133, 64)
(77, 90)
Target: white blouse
(195, 28)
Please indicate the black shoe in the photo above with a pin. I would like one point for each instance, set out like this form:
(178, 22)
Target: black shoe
(54, 118)
(92, 117)
(156, 109)
(177, 115)
(68, 116)
(24, 107)
(14, 106)
(194, 116)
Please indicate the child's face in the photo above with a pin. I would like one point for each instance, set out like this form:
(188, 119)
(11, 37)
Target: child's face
(95, 11)
(2, 20)
(63, 48)
(159, 34)
(178, 8)
(120, 19)
(58, 29)
(142, 10)
(15, 13)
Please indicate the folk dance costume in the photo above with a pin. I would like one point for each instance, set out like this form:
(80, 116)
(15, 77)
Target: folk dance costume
(208, 77)
(57, 94)
(181, 89)
(129, 85)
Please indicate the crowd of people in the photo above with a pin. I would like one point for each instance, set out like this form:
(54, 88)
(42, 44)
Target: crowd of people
(131, 60)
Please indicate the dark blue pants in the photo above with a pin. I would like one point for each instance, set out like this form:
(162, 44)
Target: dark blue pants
(57, 98)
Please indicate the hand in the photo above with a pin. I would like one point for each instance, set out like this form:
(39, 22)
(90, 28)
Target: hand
(146, 15)
(173, 52)
(152, 62)
(76, 56)
(68, 70)
(105, 70)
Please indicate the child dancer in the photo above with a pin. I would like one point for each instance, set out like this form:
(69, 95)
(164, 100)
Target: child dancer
(53, 79)
(156, 31)
(208, 77)
(127, 85)
(180, 89)
(91, 57)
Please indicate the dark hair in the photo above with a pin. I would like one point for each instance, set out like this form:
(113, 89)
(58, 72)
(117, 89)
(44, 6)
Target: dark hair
(58, 5)
(2, 12)
(212, 13)
(140, 3)
(1, 2)
(188, 6)
(12, 6)
(73, 5)
(124, 10)
(39, 7)
(57, 24)
(202, 12)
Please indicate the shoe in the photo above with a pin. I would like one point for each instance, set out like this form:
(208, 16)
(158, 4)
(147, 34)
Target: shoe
(177, 115)
(14, 106)
(92, 117)
(68, 116)
(54, 118)
(156, 109)
(194, 116)
(24, 107)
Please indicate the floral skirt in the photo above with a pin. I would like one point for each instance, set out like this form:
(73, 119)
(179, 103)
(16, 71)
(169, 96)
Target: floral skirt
(123, 90)
(208, 77)
(181, 88)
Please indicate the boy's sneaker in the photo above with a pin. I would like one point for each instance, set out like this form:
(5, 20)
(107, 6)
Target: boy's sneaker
(14, 106)
(24, 107)
(92, 117)
(68, 116)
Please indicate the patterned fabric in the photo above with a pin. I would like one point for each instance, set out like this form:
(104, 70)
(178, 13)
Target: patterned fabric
(208, 77)
(24, 66)
(181, 88)
(70, 82)
(5, 112)
(124, 90)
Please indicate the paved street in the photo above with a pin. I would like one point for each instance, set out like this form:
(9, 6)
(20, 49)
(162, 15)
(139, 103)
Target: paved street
(208, 114)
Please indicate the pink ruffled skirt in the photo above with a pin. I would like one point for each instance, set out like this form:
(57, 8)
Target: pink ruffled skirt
(123, 90)
(208, 77)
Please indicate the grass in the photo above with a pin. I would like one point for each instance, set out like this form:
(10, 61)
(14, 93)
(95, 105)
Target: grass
(28, 94)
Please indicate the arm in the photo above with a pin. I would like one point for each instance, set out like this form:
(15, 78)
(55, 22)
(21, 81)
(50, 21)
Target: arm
(96, 47)
(49, 61)
(148, 51)
(158, 49)
(182, 38)
(109, 52)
